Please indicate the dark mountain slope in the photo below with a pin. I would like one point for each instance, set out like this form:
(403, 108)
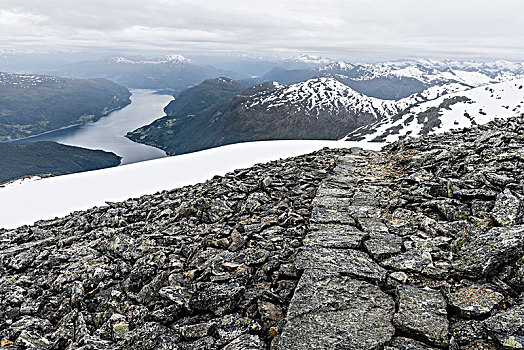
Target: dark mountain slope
(50, 158)
(32, 104)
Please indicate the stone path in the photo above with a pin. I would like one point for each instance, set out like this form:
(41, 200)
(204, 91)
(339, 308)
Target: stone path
(340, 302)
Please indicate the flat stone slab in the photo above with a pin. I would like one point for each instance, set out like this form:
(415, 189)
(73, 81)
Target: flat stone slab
(382, 245)
(408, 261)
(334, 236)
(484, 253)
(348, 262)
(507, 327)
(326, 215)
(474, 300)
(332, 190)
(422, 313)
(372, 225)
(362, 198)
(329, 311)
(400, 343)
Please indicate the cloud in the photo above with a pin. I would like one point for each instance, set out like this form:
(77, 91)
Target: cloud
(349, 28)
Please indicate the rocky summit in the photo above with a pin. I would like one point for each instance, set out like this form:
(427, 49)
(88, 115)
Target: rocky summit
(418, 246)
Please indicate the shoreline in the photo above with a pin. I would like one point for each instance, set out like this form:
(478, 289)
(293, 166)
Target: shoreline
(71, 126)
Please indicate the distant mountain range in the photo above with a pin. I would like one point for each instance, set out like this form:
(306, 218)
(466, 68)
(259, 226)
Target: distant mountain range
(387, 80)
(32, 104)
(396, 80)
(171, 72)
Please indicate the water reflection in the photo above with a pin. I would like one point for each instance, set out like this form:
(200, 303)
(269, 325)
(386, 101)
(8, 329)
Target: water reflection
(108, 133)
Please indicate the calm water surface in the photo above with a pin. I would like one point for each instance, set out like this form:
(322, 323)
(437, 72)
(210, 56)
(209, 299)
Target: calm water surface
(109, 132)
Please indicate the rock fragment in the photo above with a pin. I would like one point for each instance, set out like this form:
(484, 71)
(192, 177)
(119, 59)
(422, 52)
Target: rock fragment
(422, 313)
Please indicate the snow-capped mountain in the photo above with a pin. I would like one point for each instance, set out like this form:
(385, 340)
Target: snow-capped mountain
(317, 96)
(221, 111)
(437, 72)
(399, 79)
(339, 66)
(305, 61)
(456, 110)
(168, 59)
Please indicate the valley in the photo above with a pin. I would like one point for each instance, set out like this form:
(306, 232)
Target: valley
(108, 133)
(34, 104)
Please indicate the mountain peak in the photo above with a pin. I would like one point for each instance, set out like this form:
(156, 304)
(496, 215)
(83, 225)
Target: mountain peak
(174, 58)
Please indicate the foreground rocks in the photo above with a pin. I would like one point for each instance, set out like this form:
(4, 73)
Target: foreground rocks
(440, 219)
(209, 266)
(420, 246)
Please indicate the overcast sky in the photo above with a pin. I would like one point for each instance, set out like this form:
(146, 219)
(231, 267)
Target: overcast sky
(351, 29)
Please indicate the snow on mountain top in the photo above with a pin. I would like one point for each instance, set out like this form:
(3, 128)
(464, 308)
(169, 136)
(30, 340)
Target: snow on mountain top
(337, 66)
(24, 80)
(29, 201)
(452, 111)
(312, 59)
(319, 94)
(327, 94)
(435, 72)
(171, 58)
(120, 60)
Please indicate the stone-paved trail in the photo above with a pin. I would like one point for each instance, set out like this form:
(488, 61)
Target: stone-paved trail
(338, 303)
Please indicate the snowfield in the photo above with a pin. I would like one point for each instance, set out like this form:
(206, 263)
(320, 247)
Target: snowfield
(471, 107)
(23, 203)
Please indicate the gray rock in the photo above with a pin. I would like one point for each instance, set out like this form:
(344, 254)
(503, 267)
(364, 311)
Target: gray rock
(482, 254)
(409, 261)
(507, 327)
(401, 343)
(382, 245)
(507, 210)
(32, 340)
(334, 236)
(422, 313)
(348, 262)
(245, 342)
(330, 311)
(474, 300)
(323, 215)
(150, 336)
(466, 331)
(219, 299)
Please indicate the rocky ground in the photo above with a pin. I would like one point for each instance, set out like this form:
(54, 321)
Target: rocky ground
(419, 246)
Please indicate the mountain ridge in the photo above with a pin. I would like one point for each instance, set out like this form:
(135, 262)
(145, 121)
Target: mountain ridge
(32, 104)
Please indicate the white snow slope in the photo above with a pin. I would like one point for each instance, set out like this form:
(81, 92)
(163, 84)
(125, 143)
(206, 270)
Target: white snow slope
(26, 202)
(475, 106)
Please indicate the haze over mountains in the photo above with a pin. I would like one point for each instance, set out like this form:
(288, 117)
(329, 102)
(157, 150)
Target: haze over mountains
(172, 72)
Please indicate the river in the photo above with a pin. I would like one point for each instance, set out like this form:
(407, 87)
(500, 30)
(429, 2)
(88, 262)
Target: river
(108, 133)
